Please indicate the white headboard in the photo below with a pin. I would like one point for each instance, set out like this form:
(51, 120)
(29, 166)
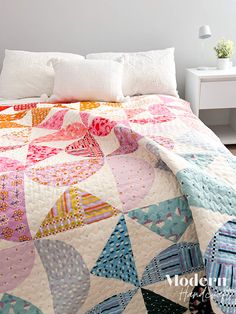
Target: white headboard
(84, 26)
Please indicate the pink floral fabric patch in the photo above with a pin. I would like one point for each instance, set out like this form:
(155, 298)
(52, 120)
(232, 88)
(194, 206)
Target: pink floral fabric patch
(38, 153)
(13, 220)
(128, 140)
(8, 164)
(101, 126)
(55, 122)
(164, 141)
(72, 131)
(6, 148)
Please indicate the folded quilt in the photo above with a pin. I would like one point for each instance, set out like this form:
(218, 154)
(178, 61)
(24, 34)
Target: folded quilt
(115, 208)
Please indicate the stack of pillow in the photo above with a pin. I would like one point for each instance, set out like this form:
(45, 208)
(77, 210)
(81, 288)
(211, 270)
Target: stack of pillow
(68, 77)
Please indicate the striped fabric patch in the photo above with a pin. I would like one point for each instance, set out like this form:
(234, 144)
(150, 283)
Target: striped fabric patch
(178, 259)
(115, 304)
(73, 209)
(87, 146)
(220, 260)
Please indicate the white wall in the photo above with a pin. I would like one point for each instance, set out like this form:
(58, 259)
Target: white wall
(84, 26)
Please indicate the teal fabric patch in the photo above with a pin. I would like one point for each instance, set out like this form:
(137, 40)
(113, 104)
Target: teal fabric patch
(169, 219)
(232, 161)
(12, 304)
(203, 190)
(201, 160)
(116, 259)
(202, 141)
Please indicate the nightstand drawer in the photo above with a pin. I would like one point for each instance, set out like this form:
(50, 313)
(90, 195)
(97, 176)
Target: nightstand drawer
(218, 94)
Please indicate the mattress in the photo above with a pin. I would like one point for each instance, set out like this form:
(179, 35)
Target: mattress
(115, 208)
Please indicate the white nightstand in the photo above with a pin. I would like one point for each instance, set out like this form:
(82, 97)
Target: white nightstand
(212, 95)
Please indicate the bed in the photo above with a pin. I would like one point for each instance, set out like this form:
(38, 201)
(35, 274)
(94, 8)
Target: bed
(114, 208)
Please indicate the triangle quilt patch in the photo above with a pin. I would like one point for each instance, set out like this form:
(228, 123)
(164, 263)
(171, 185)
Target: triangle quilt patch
(39, 153)
(9, 124)
(87, 147)
(70, 132)
(39, 114)
(117, 260)
(157, 304)
(73, 209)
(55, 122)
(4, 107)
(115, 304)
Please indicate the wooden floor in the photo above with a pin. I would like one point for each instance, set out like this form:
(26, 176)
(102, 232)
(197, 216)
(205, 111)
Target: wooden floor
(232, 148)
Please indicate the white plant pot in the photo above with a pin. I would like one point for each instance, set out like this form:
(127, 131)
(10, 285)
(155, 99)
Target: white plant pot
(223, 63)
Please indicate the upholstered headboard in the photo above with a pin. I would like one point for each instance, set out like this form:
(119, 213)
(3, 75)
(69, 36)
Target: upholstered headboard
(85, 26)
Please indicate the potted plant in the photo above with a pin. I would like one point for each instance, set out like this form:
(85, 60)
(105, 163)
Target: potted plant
(224, 51)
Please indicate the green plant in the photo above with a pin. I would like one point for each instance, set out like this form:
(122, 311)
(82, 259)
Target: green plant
(224, 48)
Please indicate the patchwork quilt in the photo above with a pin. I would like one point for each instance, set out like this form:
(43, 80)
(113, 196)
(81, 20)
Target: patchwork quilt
(115, 208)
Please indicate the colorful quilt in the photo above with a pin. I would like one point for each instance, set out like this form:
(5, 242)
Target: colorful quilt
(115, 208)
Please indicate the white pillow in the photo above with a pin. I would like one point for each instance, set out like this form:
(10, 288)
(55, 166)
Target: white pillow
(92, 80)
(151, 72)
(26, 74)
